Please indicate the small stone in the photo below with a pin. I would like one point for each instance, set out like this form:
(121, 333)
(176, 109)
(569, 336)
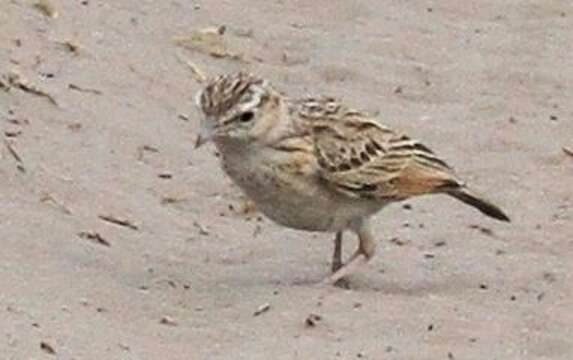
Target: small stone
(312, 320)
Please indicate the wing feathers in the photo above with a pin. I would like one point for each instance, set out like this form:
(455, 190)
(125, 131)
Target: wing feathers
(361, 158)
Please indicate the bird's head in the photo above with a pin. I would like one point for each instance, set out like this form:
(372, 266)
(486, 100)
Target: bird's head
(236, 107)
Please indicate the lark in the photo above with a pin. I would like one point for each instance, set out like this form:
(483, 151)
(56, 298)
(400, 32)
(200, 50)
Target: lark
(316, 164)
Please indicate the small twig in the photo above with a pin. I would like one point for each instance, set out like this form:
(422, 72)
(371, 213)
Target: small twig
(4, 85)
(85, 90)
(17, 81)
(50, 198)
(567, 151)
(202, 229)
(166, 200)
(120, 222)
(47, 347)
(145, 148)
(70, 46)
(94, 237)
(198, 75)
(262, 309)
(484, 230)
(168, 320)
(10, 134)
(12, 151)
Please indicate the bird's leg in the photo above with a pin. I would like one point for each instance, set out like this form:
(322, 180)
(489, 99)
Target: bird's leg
(337, 261)
(365, 251)
(337, 256)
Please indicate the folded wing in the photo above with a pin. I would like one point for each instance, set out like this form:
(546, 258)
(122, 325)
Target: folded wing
(361, 158)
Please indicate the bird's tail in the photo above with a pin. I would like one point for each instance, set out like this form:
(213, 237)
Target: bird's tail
(463, 194)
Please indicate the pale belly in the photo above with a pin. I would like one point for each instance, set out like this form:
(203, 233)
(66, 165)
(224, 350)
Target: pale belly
(296, 201)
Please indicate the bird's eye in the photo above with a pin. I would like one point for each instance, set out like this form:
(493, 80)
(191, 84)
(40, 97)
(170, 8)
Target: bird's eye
(246, 116)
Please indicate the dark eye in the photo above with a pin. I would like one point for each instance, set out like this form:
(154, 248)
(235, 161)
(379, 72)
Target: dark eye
(246, 116)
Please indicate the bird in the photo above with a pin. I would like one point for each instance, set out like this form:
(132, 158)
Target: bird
(319, 165)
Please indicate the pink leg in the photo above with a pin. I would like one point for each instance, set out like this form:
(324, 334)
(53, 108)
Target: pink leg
(366, 250)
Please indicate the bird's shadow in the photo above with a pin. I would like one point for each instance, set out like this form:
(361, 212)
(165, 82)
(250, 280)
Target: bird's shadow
(360, 283)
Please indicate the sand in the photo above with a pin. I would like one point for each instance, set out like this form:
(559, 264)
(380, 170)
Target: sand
(97, 115)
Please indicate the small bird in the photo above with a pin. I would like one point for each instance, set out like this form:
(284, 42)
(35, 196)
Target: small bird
(315, 164)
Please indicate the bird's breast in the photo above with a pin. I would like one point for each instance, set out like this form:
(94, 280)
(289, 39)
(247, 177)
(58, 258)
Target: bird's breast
(287, 189)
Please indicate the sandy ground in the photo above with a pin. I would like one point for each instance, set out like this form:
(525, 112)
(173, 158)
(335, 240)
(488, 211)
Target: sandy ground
(488, 85)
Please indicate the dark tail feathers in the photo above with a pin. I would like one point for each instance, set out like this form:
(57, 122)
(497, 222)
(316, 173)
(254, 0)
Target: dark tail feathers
(464, 195)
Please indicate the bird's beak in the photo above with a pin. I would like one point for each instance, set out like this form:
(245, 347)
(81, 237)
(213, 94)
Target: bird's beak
(205, 134)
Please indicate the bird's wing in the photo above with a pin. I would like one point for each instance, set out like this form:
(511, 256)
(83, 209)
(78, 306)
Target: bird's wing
(363, 159)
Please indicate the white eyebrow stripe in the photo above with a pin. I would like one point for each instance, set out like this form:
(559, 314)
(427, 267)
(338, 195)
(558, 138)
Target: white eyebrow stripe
(255, 100)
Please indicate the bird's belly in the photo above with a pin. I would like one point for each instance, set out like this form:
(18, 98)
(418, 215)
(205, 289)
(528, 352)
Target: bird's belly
(300, 202)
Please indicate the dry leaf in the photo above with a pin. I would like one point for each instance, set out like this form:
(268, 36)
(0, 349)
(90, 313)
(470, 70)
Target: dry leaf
(209, 41)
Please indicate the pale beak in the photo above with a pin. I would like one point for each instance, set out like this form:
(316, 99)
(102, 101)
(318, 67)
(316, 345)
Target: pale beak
(205, 134)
